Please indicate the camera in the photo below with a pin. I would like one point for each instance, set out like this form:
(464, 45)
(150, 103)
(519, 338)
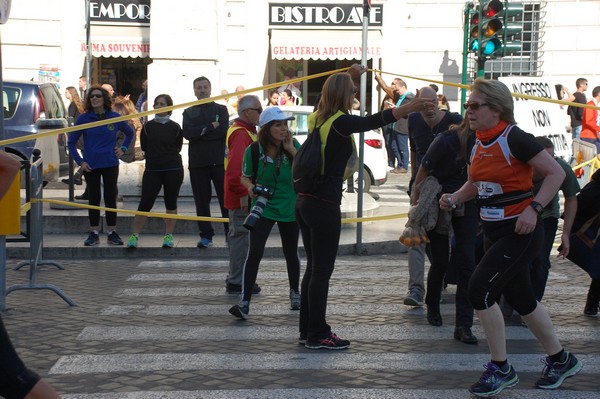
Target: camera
(264, 195)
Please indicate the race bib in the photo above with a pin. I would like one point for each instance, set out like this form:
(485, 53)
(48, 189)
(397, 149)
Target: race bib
(486, 189)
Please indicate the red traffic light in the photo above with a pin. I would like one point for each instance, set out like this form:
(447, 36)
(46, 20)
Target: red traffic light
(493, 8)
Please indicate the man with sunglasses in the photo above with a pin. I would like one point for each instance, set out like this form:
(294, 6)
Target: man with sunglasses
(205, 127)
(240, 135)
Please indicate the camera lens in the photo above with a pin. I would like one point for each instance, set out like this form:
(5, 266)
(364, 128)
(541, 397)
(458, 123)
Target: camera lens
(255, 213)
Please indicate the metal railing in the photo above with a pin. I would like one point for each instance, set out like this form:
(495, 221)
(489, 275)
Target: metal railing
(36, 234)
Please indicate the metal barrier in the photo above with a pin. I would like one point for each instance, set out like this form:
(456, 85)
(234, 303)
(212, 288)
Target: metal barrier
(26, 173)
(583, 152)
(36, 185)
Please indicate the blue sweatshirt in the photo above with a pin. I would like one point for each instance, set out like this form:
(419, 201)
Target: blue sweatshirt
(99, 143)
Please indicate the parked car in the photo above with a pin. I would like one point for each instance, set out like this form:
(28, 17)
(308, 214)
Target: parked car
(30, 107)
(375, 155)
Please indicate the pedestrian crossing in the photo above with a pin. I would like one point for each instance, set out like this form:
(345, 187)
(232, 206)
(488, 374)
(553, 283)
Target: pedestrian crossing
(392, 195)
(169, 335)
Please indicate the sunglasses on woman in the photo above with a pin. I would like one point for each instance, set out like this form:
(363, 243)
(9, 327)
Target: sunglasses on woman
(474, 106)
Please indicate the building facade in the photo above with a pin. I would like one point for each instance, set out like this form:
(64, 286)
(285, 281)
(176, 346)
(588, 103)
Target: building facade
(251, 43)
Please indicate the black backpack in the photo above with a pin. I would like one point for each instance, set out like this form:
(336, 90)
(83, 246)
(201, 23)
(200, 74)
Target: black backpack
(308, 162)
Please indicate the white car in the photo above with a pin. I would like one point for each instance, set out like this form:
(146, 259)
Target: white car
(375, 154)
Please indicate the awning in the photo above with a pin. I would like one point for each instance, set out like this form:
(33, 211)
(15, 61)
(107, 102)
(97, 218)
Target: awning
(122, 41)
(323, 44)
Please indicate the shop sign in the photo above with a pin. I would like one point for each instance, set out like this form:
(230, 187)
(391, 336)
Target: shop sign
(320, 15)
(323, 52)
(118, 49)
(120, 12)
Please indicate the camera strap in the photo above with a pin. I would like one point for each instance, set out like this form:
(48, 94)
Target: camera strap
(278, 161)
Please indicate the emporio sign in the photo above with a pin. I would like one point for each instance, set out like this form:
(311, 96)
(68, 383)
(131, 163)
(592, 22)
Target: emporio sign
(320, 15)
(120, 12)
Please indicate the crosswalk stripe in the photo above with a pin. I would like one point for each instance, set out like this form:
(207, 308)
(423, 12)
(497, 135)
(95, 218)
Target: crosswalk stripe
(258, 332)
(282, 275)
(316, 393)
(446, 309)
(337, 288)
(265, 262)
(358, 275)
(332, 360)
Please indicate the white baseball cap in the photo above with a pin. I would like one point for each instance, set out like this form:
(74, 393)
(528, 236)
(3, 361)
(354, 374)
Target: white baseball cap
(271, 114)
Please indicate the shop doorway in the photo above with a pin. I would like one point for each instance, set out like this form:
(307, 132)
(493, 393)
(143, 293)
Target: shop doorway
(309, 90)
(125, 75)
(318, 66)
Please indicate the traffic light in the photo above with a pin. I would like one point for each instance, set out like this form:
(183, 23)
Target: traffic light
(493, 27)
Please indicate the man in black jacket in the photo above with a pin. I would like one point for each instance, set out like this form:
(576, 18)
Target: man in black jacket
(205, 127)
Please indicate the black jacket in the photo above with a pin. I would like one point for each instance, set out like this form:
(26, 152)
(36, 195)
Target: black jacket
(206, 143)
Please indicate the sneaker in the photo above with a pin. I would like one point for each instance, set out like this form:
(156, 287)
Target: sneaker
(294, 300)
(330, 342)
(168, 241)
(494, 380)
(205, 243)
(241, 310)
(237, 289)
(555, 373)
(302, 339)
(114, 239)
(591, 305)
(93, 239)
(132, 242)
(413, 298)
(82, 197)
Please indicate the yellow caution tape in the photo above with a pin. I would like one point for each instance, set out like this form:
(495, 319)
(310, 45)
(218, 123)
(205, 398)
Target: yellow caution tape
(196, 218)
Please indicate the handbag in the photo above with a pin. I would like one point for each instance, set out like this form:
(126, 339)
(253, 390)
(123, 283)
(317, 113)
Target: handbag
(584, 248)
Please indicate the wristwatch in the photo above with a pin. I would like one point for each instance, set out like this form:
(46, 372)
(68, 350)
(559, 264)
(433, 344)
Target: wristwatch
(537, 207)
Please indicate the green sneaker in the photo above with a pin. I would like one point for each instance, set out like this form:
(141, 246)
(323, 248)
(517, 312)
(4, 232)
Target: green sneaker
(168, 241)
(132, 242)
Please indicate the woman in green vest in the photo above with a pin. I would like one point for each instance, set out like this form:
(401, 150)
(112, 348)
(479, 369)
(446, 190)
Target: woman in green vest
(318, 213)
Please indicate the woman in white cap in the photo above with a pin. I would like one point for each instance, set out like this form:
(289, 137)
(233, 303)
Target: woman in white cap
(267, 174)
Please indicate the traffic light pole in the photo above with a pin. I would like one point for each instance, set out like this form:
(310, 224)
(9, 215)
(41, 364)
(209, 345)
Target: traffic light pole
(480, 57)
(465, 61)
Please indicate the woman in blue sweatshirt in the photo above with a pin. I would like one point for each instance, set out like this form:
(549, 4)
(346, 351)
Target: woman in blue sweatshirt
(100, 161)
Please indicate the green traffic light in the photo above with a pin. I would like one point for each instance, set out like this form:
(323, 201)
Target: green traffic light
(491, 46)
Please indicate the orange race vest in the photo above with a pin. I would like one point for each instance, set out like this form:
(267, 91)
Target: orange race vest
(496, 171)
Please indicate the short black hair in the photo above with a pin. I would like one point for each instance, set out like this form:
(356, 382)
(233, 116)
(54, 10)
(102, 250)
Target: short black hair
(596, 91)
(201, 78)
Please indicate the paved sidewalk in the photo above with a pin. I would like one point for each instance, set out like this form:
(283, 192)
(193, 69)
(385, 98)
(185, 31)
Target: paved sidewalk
(66, 229)
(160, 329)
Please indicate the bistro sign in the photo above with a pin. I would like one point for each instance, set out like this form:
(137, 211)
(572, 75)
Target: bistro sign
(320, 15)
(120, 12)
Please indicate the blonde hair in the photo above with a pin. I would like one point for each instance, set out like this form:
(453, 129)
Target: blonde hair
(124, 106)
(498, 97)
(75, 98)
(337, 95)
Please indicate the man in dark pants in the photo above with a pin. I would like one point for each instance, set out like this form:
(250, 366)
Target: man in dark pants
(205, 127)
(570, 188)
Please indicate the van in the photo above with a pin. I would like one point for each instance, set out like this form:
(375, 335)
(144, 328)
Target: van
(29, 105)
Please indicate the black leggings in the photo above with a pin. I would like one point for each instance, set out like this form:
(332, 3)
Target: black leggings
(289, 232)
(320, 223)
(153, 181)
(504, 268)
(109, 177)
(15, 379)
